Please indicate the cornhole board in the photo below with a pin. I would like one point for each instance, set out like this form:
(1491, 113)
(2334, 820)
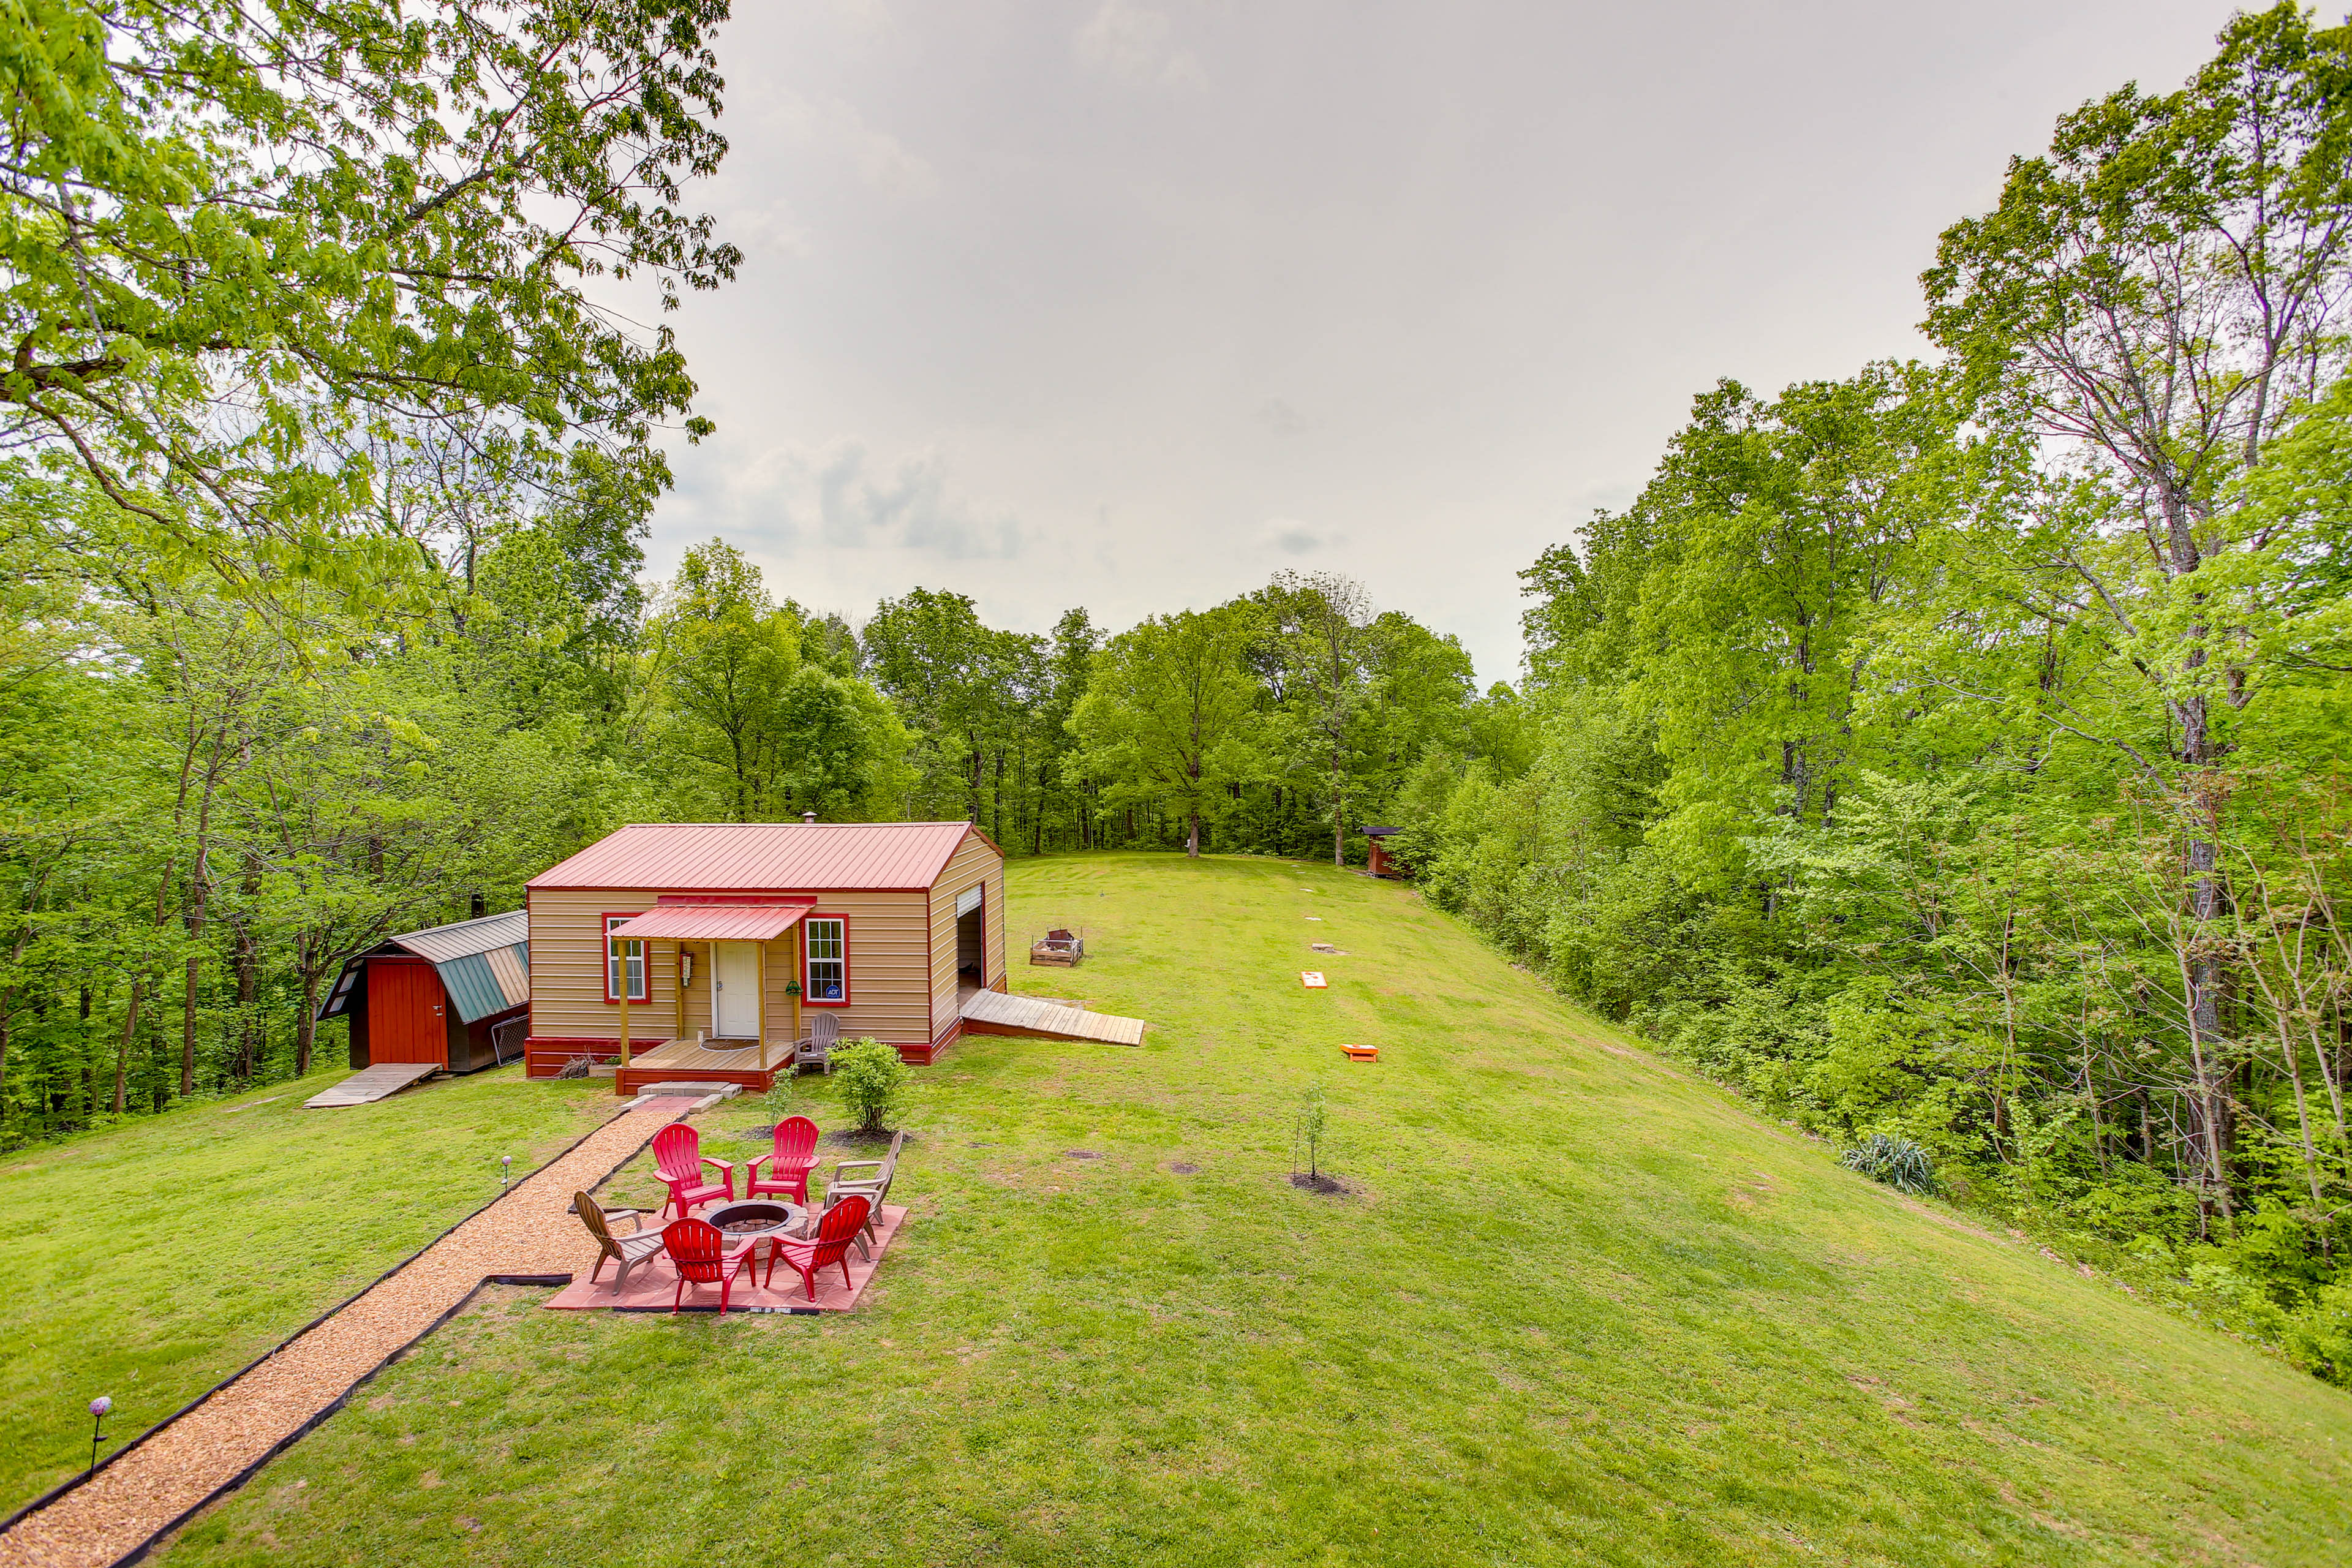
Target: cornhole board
(1312, 979)
(1362, 1053)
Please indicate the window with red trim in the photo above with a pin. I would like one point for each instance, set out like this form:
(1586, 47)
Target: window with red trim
(628, 950)
(825, 982)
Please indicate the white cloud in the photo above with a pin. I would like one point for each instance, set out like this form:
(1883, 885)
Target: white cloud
(833, 127)
(1280, 418)
(791, 500)
(1289, 536)
(767, 230)
(1133, 42)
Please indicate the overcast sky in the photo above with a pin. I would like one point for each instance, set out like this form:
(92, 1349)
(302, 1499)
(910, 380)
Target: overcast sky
(1130, 305)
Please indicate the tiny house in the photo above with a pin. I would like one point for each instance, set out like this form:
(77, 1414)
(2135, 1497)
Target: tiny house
(1379, 862)
(701, 951)
(454, 995)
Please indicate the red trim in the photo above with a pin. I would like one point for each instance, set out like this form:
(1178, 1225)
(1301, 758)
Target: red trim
(645, 954)
(847, 991)
(733, 898)
(755, 895)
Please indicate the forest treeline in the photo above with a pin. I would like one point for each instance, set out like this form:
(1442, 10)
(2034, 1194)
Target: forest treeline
(1956, 753)
(1950, 753)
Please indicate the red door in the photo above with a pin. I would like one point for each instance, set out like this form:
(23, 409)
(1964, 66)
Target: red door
(405, 1013)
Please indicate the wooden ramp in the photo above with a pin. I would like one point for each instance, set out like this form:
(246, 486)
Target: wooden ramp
(995, 1013)
(371, 1084)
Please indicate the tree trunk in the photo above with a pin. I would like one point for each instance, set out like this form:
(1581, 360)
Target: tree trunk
(249, 967)
(1193, 841)
(188, 1000)
(122, 1048)
(306, 1027)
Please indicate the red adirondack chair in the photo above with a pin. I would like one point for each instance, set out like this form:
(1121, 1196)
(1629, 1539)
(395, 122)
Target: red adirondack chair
(834, 1232)
(788, 1165)
(699, 1249)
(678, 1160)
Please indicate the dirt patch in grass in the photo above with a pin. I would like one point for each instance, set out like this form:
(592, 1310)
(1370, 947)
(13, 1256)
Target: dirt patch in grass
(1081, 1155)
(1322, 1183)
(858, 1138)
(1184, 1169)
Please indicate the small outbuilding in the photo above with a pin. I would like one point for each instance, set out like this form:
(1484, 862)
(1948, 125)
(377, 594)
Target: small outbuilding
(1379, 862)
(456, 996)
(701, 951)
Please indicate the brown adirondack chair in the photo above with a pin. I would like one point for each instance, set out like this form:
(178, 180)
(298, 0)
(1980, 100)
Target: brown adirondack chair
(628, 1251)
(873, 1188)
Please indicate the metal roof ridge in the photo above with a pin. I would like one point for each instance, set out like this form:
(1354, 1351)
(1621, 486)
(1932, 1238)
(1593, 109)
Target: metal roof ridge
(456, 925)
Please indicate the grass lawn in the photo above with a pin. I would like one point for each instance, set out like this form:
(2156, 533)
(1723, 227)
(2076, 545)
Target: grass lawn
(1576, 1309)
(150, 1260)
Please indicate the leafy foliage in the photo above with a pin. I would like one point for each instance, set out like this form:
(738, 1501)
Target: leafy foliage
(1897, 1162)
(873, 1082)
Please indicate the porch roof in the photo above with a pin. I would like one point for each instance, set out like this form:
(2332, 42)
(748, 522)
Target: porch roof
(713, 923)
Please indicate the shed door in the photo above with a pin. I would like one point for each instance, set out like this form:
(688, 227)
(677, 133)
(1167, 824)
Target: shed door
(406, 1013)
(735, 989)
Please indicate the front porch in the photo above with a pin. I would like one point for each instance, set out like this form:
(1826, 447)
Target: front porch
(690, 1061)
(731, 1036)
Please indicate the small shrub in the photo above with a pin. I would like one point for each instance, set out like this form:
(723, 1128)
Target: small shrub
(873, 1082)
(1308, 1133)
(1897, 1162)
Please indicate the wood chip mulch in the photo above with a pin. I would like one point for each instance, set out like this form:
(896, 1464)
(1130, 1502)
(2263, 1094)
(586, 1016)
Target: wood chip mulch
(530, 1230)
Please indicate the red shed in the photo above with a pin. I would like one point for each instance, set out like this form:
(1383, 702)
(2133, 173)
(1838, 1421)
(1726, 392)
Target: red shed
(454, 995)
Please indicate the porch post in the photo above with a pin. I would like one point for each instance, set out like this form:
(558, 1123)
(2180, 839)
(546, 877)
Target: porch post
(800, 973)
(761, 991)
(678, 971)
(621, 964)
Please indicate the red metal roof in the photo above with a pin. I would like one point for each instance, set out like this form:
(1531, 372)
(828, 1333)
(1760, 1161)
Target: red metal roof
(714, 923)
(762, 856)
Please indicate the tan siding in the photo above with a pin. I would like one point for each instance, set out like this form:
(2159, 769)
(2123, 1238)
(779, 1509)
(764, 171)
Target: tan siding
(888, 974)
(567, 973)
(887, 994)
(973, 861)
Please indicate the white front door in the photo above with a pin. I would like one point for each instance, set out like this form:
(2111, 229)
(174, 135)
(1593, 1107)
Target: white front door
(735, 989)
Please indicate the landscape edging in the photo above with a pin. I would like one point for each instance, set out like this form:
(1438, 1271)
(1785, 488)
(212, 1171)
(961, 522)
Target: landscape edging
(74, 1483)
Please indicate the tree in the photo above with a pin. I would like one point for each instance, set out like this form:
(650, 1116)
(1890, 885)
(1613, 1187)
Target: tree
(242, 243)
(1169, 715)
(1318, 628)
(2152, 303)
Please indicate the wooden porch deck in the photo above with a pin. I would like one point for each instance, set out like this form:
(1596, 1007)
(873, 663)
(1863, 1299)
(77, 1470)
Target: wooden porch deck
(684, 1061)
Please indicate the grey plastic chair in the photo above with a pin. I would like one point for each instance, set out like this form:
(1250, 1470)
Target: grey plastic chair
(816, 1047)
(628, 1251)
(873, 1188)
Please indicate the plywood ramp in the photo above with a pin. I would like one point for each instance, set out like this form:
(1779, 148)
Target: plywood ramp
(995, 1013)
(371, 1084)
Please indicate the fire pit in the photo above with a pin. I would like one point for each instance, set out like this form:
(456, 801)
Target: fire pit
(747, 1222)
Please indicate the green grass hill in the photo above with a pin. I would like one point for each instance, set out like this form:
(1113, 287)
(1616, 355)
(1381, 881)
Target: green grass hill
(1574, 1306)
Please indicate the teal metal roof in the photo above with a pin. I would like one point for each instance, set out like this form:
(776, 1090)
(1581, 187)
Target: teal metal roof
(473, 990)
(484, 965)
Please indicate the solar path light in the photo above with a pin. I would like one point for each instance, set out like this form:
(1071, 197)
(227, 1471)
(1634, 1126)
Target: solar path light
(98, 1409)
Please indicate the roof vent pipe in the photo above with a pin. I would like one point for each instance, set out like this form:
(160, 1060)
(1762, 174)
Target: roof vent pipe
(809, 817)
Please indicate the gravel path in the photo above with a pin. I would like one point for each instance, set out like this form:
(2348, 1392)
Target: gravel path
(526, 1231)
